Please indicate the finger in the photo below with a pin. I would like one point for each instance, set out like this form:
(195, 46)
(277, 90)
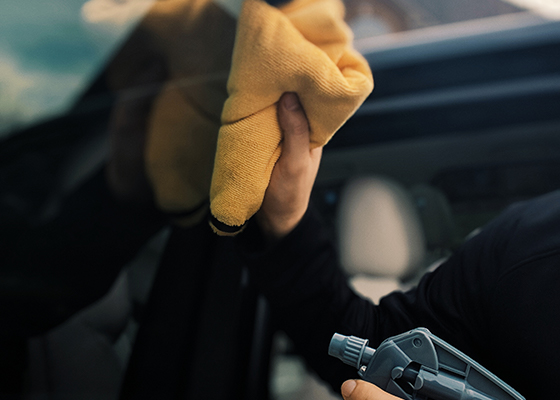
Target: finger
(362, 390)
(294, 125)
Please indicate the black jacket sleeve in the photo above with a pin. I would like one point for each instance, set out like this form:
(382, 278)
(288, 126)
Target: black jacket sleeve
(472, 301)
(311, 298)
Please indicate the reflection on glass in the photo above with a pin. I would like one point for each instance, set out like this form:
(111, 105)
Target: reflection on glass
(50, 51)
(549, 9)
(374, 17)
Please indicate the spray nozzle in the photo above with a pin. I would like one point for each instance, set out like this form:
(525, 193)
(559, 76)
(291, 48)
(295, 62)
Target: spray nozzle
(351, 350)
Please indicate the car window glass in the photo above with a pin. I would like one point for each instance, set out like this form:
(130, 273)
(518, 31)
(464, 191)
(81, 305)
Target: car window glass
(369, 18)
(50, 51)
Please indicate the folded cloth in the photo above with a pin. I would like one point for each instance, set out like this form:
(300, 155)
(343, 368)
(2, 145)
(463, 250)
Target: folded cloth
(194, 39)
(179, 155)
(303, 47)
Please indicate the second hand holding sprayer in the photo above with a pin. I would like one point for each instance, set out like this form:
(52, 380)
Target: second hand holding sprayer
(419, 365)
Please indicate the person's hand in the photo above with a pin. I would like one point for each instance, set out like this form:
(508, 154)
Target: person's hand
(355, 389)
(287, 197)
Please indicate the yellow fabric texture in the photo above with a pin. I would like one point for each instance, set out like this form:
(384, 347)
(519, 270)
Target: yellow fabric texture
(303, 47)
(194, 39)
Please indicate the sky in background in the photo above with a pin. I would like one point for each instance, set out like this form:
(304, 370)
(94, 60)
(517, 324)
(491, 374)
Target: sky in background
(50, 50)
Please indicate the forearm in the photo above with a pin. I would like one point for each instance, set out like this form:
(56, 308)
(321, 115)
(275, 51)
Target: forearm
(311, 299)
(308, 292)
(293, 260)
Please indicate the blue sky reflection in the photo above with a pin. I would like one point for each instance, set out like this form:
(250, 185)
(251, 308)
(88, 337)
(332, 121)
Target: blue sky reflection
(49, 51)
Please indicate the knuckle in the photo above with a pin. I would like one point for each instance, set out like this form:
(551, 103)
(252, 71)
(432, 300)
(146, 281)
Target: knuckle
(294, 123)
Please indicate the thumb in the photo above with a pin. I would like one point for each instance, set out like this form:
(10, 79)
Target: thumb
(294, 125)
(355, 389)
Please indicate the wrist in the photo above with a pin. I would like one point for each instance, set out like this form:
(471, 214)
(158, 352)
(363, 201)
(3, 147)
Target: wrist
(276, 227)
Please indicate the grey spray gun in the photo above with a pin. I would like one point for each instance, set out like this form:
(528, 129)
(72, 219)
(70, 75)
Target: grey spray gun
(419, 365)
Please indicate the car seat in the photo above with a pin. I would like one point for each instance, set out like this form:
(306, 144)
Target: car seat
(388, 236)
(86, 356)
(78, 359)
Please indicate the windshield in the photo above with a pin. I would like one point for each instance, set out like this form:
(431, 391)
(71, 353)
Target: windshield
(369, 18)
(51, 51)
(110, 112)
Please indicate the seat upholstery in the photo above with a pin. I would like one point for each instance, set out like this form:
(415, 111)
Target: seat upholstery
(86, 356)
(381, 238)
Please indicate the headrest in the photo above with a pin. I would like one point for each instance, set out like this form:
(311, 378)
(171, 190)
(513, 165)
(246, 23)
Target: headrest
(380, 232)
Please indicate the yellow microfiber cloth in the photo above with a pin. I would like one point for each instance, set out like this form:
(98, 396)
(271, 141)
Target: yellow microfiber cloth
(194, 39)
(303, 47)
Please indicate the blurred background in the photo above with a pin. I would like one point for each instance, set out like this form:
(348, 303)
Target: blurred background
(50, 52)
(463, 119)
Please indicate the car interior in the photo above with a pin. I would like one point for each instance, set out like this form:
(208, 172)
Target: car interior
(444, 153)
(463, 122)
